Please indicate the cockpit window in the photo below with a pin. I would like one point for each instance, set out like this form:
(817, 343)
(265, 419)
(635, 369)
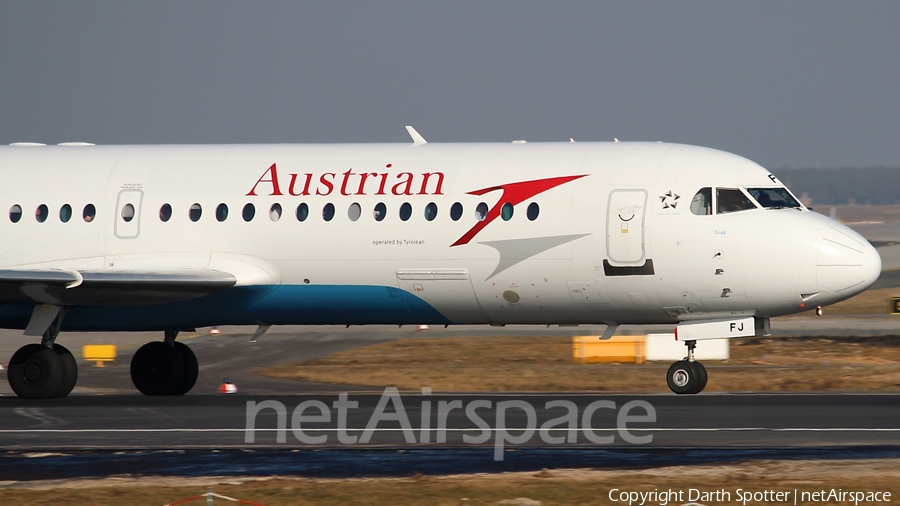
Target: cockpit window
(774, 198)
(729, 200)
(702, 202)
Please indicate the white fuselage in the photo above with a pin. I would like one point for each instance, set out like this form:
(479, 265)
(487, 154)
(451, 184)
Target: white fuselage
(614, 239)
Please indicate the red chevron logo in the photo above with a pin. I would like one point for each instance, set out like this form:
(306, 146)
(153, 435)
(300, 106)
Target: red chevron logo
(514, 193)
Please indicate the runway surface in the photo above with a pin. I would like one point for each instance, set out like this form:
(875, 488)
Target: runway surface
(203, 435)
(666, 421)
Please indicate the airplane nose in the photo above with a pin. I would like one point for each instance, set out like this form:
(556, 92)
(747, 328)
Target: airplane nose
(847, 263)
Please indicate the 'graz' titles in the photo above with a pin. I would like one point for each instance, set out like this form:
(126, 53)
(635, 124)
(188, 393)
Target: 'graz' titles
(348, 183)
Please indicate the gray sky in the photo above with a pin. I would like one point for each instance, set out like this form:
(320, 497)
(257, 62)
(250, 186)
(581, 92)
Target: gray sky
(800, 83)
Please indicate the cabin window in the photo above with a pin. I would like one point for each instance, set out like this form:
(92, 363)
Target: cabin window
(533, 211)
(456, 211)
(195, 212)
(15, 213)
(405, 211)
(481, 211)
(221, 212)
(729, 200)
(275, 212)
(302, 212)
(248, 212)
(354, 212)
(774, 198)
(90, 212)
(165, 212)
(431, 211)
(380, 211)
(328, 212)
(128, 212)
(65, 213)
(506, 212)
(41, 213)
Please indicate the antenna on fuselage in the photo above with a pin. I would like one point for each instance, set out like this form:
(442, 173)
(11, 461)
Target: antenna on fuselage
(416, 136)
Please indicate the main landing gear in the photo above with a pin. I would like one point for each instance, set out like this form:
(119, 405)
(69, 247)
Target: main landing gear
(37, 371)
(48, 370)
(43, 371)
(687, 376)
(164, 367)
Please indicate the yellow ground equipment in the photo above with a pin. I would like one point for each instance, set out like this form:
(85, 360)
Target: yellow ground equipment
(99, 353)
(616, 349)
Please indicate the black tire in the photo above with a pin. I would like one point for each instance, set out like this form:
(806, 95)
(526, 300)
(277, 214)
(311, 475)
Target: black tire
(682, 378)
(702, 377)
(70, 370)
(35, 372)
(191, 368)
(157, 369)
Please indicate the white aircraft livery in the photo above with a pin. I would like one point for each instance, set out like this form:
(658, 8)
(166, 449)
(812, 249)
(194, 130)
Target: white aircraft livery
(171, 238)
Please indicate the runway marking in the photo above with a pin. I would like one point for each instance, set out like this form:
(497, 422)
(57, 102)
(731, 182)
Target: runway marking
(37, 415)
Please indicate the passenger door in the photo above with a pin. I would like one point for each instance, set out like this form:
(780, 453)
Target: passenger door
(625, 227)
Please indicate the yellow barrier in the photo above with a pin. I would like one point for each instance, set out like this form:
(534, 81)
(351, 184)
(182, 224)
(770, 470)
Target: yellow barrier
(616, 349)
(99, 353)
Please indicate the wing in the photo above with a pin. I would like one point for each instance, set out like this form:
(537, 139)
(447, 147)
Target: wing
(109, 288)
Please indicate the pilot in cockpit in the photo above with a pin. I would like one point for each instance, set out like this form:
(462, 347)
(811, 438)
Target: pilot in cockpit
(765, 200)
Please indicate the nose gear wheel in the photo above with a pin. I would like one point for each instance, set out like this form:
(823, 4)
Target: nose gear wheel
(687, 377)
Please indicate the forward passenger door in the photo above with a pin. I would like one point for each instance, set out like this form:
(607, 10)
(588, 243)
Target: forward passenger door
(625, 227)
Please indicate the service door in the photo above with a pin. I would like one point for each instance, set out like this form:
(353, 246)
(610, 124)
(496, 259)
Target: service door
(128, 214)
(625, 227)
(448, 290)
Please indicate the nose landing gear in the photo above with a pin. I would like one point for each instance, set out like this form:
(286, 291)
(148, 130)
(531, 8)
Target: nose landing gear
(164, 367)
(687, 376)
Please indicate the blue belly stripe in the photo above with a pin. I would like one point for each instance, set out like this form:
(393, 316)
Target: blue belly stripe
(251, 305)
